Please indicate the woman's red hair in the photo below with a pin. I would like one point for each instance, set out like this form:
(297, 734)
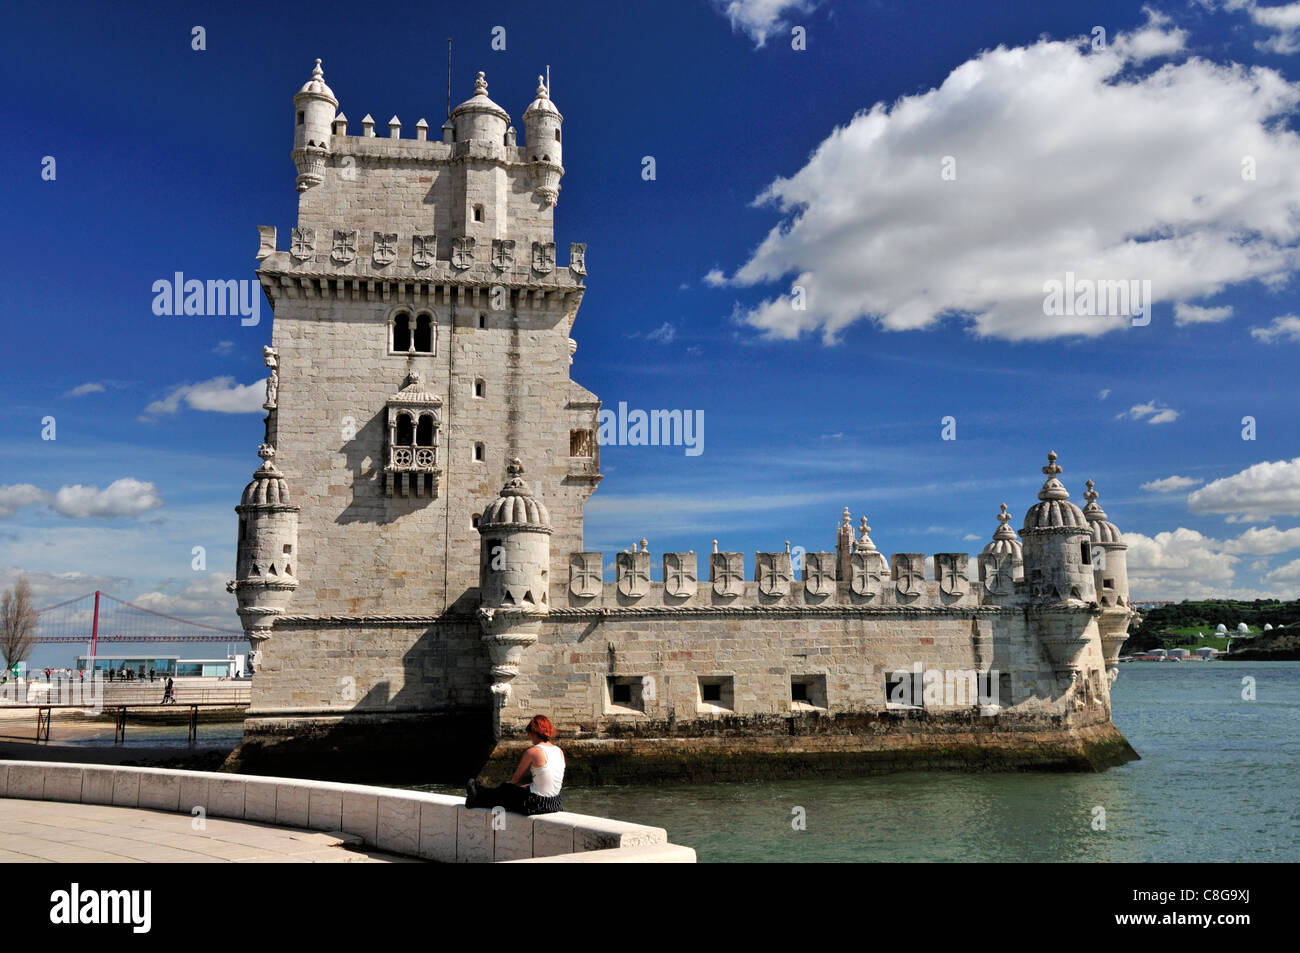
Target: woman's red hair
(542, 727)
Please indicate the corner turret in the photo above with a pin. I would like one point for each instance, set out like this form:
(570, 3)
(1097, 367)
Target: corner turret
(514, 568)
(479, 118)
(315, 107)
(266, 553)
(1057, 545)
(542, 130)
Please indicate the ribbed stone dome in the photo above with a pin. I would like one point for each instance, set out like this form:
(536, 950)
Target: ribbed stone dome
(1055, 509)
(1103, 531)
(516, 507)
(1004, 538)
(316, 84)
(480, 103)
(268, 486)
(542, 104)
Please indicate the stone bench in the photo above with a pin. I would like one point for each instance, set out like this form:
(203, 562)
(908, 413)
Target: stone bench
(434, 827)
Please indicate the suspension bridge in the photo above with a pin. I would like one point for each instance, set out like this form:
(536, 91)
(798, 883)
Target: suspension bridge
(98, 618)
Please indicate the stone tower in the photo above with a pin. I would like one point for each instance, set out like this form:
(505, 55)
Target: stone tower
(422, 341)
(423, 331)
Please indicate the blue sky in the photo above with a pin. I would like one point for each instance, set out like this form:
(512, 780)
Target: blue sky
(818, 167)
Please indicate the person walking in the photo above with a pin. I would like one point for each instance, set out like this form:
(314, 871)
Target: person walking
(169, 695)
(543, 762)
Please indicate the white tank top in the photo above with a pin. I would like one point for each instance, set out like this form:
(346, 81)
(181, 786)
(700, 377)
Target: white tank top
(548, 778)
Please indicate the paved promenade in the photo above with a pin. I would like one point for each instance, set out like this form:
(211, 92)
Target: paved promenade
(65, 832)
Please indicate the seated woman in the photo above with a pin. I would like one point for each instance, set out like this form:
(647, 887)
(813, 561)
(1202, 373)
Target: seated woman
(543, 761)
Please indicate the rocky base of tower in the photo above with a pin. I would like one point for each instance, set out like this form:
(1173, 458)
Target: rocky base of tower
(413, 747)
(801, 747)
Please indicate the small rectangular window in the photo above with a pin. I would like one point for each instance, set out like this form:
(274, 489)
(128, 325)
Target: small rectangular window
(479, 452)
(626, 694)
(1086, 553)
(581, 443)
(1108, 583)
(716, 694)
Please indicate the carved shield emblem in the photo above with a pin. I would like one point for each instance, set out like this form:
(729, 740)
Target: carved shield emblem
(503, 253)
(584, 575)
(633, 574)
(867, 573)
(302, 246)
(543, 257)
(680, 574)
(952, 571)
(773, 573)
(385, 252)
(578, 258)
(345, 245)
(819, 574)
(909, 573)
(728, 572)
(999, 573)
(424, 249)
(462, 252)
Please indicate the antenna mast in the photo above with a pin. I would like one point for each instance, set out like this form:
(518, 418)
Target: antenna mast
(548, 81)
(448, 77)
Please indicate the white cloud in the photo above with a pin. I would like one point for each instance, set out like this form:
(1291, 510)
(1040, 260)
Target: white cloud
(762, 19)
(224, 347)
(1185, 313)
(203, 600)
(20, 494)
(1182, 564)
(1170, 484)
(1151, 412)
(220, 394)
(664, 334)
(124, 497)
(1264, 542)
(1103, 394)
(1284, 21)
(715, 278)
(1287, 326)
(1287, 575)
(90, 387)
(1261, 491)
(1066, 159)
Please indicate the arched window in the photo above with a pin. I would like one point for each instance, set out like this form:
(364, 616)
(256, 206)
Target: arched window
(557, 135)
(424, 431)
(402, 332)
(424, 334)
(482, 320)
(404, 436)
(480, 388)
(479, 454)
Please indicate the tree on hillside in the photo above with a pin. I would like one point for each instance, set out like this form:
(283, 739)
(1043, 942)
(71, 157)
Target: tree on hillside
(17, 623)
